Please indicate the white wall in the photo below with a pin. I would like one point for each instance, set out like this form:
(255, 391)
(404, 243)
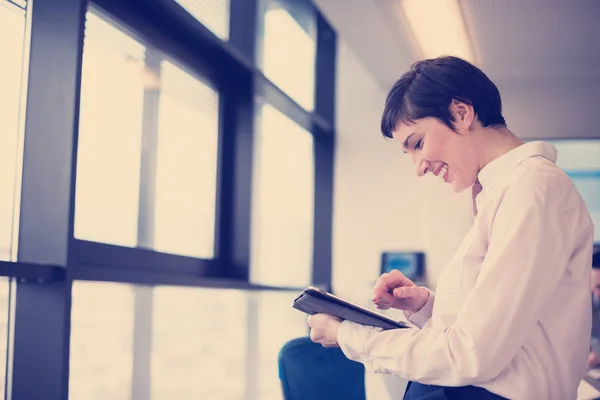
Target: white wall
(379, 204)
(546, 108)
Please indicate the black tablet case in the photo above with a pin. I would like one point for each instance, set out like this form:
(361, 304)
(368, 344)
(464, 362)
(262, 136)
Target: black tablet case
(314, 300)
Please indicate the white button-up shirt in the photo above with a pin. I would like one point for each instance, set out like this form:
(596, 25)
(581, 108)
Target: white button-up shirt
(512, 309)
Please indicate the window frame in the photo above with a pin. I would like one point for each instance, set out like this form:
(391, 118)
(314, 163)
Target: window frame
(50, 259)
(241, 84)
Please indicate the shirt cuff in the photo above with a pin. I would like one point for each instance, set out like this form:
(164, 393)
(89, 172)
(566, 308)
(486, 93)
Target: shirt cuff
(420, 318)
(353, 337)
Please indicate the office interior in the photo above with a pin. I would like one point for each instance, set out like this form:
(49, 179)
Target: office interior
(174, 172)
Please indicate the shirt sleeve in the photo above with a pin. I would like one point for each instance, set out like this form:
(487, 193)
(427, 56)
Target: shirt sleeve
(421, 317)
(529, 249)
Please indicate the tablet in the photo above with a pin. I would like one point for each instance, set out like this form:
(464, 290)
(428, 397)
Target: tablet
(313, 300)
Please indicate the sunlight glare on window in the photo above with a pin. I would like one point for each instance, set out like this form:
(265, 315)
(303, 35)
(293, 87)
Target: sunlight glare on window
(274, 307)
(289, 57)
(101, 349)
(186, 173)
(12, 40)
(283, 202)
(214, 14)
(198, 343)
(110, 131)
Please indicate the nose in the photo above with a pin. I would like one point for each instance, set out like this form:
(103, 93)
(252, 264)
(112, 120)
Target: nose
(421, 166)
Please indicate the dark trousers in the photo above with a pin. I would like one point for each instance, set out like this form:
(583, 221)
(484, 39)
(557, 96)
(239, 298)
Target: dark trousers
(419, 391)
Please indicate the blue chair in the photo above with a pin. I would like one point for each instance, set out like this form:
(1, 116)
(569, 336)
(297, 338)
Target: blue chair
(307, 370)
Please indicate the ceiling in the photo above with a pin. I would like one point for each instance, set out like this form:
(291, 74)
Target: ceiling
(544, 55)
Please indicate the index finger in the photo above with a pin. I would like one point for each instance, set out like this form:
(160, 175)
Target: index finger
(390, 280)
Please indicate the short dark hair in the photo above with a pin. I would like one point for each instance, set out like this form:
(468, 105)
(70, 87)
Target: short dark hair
(429, 87)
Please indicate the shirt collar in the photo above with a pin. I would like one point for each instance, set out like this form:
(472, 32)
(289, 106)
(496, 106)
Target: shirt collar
(508, 161)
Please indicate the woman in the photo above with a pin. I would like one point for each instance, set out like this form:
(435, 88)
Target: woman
(511, 315)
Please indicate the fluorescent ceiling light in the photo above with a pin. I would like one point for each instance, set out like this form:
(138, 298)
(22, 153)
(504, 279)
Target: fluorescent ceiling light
(438, 28)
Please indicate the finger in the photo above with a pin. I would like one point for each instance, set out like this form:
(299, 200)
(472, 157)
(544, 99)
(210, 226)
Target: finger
(391, 280)
(384, 299)
(385, 282)
(379, 294)
(406, 292)
(314, 336)
(318, 319)
(334, 318)
(380, 285)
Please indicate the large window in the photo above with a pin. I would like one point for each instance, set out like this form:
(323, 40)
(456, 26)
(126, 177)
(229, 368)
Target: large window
(289, 48)
(192, 343)
(12, 43)
(271, 334)
(282, 216)
(166, 179)
(186, 170)
(214, 14)
(580, 159)
(199, 343)
(147, 153)
(110, 135)
(101, 360)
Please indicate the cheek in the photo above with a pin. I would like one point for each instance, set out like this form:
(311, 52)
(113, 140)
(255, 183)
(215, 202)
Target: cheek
(463, 163)
(432, 153)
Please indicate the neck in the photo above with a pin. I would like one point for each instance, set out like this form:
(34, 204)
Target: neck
(493, 143)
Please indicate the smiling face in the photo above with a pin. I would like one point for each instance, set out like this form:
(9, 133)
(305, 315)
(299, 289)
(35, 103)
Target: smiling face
(437, 149)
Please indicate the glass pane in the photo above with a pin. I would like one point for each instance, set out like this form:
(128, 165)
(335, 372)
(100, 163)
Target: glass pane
(101, 360)
(110, 135)
(283, 202)
(198, 344)
(186, 176)
(273, 333)
(5, 285)
(135, 100)
(214, 14)
(289, 48)
(581, 161)
(12, 41)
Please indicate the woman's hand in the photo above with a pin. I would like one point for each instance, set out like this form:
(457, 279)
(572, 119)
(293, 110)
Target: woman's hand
(394, 290)
(324, 329)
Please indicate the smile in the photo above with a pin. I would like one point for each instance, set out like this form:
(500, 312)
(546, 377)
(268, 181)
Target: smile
(442, 172)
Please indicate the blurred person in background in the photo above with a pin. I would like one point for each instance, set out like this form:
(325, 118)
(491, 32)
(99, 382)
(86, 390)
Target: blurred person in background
(511, 314)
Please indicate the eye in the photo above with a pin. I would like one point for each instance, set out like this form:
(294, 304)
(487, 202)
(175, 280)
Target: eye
(419, 144)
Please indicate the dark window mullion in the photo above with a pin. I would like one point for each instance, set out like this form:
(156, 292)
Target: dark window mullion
(324, 153)
(42, 310)
(236, 146)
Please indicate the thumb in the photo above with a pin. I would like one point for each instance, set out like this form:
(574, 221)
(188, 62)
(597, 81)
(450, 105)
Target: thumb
(406, 292)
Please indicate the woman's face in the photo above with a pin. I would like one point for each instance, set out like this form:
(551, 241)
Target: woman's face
(436, 149)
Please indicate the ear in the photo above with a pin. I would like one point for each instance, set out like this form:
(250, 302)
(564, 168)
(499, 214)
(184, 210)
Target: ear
(463, 113)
